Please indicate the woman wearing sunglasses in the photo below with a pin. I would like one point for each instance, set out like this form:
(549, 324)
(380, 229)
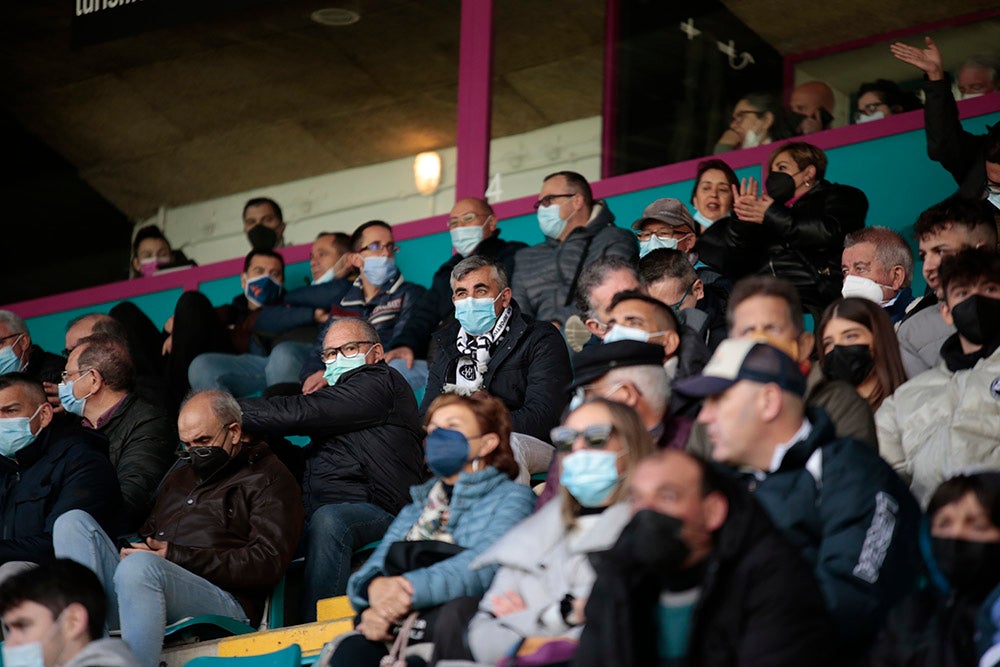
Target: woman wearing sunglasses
(545, 576)
(423, 559)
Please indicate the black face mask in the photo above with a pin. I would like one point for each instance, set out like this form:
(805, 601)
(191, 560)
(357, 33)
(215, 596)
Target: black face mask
(850, 363)
(262, 238)
(972, 568)
(207, 461)
(978, 319)
(780, 186)
(656, 540)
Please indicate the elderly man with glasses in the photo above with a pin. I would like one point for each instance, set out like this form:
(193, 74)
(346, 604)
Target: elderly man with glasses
(366, 451)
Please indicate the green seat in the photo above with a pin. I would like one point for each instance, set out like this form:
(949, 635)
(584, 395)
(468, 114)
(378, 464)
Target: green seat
(204, 628)
(290, 656)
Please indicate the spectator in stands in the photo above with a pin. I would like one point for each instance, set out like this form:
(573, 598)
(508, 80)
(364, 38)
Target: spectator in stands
(492, 346)
(936, 625)
(844, 508)
(639, 317)
(942, 230)
(813, 103)
(19, 355)
(380, 295)
(768, 310)
(98, 385)
(712, 197)
(578, 230)
(220, 555)
(948, 418)
(47, 467)
(665, 223)
(700, 576)
(197, 327)
(327, 257)
(151, 252)
(758, 119)
(54, 617)
(883, 98)
(877, 264)
(545, 575)
(598, 284)
(803, 219)
(467, 506)
(972, 160)
(363, 455)
(473, 229)
(670, 278)
(858, 346)
(263, 223)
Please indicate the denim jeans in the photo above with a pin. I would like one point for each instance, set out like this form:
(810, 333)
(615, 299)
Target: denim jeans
(145, 592)
(416, 377)
(248, 374)
(333, 533)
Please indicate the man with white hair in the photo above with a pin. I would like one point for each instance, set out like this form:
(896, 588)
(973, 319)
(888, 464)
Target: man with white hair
(878, 265)
(19, 355)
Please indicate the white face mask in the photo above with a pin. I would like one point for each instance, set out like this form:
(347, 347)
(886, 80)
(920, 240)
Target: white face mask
(994, 199)
(969, 96)
(878, 115)
(863, 288)
(752, 138)
(325, 278)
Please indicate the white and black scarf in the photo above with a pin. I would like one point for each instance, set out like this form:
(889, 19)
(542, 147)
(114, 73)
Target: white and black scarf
(467, 373)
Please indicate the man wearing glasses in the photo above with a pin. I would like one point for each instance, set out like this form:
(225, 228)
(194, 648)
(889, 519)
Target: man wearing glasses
(19, 355)
(472, 226)
(578, 230)
(365, 452)
(47, 467)
(380, 295)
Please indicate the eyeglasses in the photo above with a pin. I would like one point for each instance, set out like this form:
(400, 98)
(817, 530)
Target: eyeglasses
(349, 350)
(672, 234)
(547, 200)
(869, 109)
(67, 373)
(595, 436)
(375, 247)
(465, 219)
(738, 115)
(4, 339)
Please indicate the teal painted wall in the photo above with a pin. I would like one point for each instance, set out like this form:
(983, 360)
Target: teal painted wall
(895, 172)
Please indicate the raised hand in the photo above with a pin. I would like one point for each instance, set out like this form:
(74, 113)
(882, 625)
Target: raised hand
(927, 60)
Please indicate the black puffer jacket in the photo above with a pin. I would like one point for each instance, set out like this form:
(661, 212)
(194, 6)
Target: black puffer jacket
(367, 438)
(759, 603)
(143, 445)
(44, 366)
(529, 371)
(65, 468)
(435, 306)
(238, 529)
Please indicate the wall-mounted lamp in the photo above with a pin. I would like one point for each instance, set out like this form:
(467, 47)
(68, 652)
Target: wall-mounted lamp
(427, 172)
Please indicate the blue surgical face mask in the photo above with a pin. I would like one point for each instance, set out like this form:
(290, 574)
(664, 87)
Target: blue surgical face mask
(994, 199)
(862, 118)
(476, 316)
(342, 364)
(325, 278)
(69, 401)
(25, 655)
(15, 435)
(702, 220)
(549, 221)
(9, 363)
(263, 290)
(380, 269)
(655, 243)
(621, 332)
(466, 239)
(590, 475)
(447, 451)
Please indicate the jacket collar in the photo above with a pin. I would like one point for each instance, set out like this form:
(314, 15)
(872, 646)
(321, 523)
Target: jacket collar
(822, 433)
(470, 486)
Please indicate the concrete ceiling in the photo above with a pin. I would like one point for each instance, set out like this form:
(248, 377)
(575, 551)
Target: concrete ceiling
(265, 95)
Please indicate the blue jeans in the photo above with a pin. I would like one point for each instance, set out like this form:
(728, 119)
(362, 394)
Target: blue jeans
(416, 376)
(333, 533)
(248, 374)
(145, 592)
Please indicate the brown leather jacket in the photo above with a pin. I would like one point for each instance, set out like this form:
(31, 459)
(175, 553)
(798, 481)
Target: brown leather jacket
(238, 529)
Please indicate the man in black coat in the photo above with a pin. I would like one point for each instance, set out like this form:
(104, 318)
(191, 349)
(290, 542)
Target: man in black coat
(494, 347)
(99, 387)
(701, 577)
(472, 226)
(47, 467)
(366, 452)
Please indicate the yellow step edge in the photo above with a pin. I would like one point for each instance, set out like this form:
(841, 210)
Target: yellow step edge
(330, 609)
(310, 636)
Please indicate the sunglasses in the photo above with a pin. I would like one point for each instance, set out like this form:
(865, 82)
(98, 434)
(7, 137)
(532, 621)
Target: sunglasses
(595, 436)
